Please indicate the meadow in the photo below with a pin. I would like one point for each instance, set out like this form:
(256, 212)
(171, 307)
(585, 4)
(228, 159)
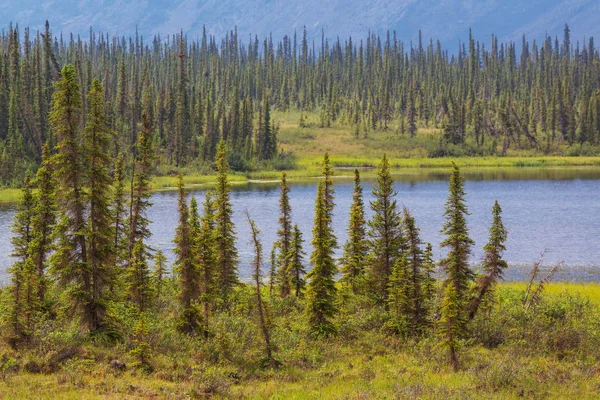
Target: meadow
(549, 351)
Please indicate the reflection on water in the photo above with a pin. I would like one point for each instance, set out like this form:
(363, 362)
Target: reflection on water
(556, 210)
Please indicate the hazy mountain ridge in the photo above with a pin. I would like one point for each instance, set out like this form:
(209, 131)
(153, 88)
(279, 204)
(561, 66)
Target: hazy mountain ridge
(447, 20)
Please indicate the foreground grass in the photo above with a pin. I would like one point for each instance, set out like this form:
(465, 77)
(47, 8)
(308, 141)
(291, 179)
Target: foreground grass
(347, 374)
(546, 354)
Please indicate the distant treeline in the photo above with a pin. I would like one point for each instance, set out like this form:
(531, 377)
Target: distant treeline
(197, 92)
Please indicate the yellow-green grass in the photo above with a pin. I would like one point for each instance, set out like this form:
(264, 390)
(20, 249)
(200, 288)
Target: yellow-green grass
(589, 290)
(373, 365)
(10, 195)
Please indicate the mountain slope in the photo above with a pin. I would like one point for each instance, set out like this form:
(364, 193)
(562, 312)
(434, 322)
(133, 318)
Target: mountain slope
(447, 20)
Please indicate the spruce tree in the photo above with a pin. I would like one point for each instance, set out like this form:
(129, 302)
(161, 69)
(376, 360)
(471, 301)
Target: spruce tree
(226, 253)
(355, 250)
(23, 288)
(139, 201)
(160, 272)
(43, 222)
(206, 258)
(399, 301)
(257, 277)
(321, 291)
(97, 137)
(295, 262)
(456, 266)
(493, 265)
(119, 209)
(186, 269)
(70, 261)
(285, 238)
(138, 278)
(386, 242)
(450, 323)
(417, 276)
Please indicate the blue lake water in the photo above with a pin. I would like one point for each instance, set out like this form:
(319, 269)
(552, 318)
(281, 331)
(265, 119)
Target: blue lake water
(551, 211)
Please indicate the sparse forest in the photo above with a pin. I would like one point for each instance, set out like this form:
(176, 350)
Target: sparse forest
(92, 309)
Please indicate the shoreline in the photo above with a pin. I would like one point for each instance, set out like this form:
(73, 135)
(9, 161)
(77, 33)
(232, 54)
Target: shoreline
(309, 168)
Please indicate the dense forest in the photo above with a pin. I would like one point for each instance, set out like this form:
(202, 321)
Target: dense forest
(485, 100)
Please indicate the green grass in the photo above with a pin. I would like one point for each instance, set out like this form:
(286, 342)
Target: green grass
(361, 362)
(10, 195)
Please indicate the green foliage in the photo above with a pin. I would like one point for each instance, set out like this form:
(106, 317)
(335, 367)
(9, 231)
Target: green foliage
(295, 262)
(185, 266)
(321, 290)
(226, 253)
(493, 265)
(284, 242)
(386, 240)
(354, 259)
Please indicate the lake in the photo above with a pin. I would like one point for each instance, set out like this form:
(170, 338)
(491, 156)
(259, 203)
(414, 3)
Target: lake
(551, 210)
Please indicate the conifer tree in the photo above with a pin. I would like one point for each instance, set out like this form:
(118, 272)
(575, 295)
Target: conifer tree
(70, 261)
(355, 249)
(417, 276)
(23, 277)
(140, 188)
(206, 258)
(295, 262)
(457, 241)
(186, 269)
(493, 265)
(450, 323)
(386, 242)
(160, 272)
(138, 279)
(458, 273)
(399, 302)
(119, 209)
(429, 285)
(257, 277)
(321, 291)
(285, 238)
(226, 253)
(43, 222)
(100, 221)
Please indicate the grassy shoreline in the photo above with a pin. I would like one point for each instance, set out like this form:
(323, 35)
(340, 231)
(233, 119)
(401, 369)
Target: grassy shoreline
(310, 167)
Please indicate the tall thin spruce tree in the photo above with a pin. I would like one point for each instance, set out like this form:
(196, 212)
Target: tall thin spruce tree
(493, 265)
(354, 259)
(43, 222)
(226, 253)
(23, 277)
(321, 291)
(97, 137)
(386, 241)
(206, 258)
(190, 320)
(119, 209)
(295, 262)
(417, 276)
(456, 266)
(285, 238)
(139, 201)
(257, 277)
(160, 273)
(70, 261)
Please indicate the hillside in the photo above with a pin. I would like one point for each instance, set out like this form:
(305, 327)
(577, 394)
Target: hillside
(447, 20)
